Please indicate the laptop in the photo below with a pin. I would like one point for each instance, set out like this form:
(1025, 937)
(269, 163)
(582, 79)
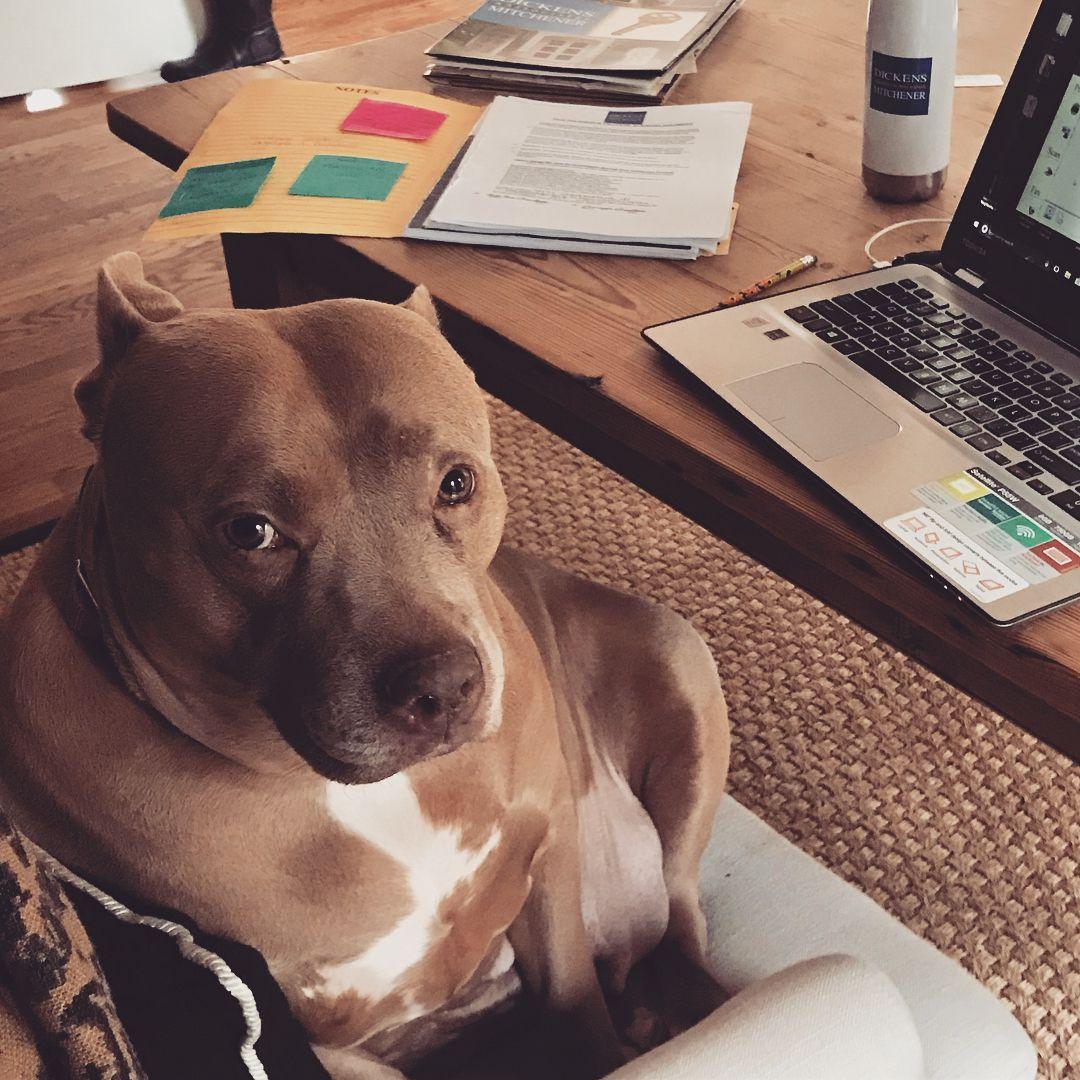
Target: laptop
(944, 402)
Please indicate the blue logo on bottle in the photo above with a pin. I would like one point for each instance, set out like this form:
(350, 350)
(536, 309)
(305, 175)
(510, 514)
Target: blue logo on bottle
(900, 84)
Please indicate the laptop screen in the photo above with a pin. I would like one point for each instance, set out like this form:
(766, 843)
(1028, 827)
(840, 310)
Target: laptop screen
(1018, 223)
(1052, 193)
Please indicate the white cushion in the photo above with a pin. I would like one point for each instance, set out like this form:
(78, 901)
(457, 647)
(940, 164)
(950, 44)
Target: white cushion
(769, 906)
(833, 1018)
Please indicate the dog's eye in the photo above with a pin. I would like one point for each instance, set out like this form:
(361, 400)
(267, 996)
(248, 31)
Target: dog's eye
(252, 532)
(457, 485)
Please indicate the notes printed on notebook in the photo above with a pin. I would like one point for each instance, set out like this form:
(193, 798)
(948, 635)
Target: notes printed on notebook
(296, 121)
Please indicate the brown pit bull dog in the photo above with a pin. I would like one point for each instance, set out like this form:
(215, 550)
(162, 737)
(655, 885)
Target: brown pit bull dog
(274, 670)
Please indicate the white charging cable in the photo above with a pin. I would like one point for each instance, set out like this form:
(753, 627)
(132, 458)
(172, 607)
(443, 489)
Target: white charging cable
(879, 264)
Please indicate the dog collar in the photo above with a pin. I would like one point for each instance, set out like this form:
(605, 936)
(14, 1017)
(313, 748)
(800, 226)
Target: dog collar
(81, 610)
(79, 606)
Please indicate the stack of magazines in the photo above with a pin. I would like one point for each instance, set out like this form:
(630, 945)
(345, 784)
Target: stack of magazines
(612, 50)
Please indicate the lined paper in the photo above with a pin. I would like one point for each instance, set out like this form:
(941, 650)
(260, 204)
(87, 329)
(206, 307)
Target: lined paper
(293, 121)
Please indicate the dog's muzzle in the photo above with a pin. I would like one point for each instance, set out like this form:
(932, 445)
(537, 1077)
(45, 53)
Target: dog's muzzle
(357, 725)
(437, 692)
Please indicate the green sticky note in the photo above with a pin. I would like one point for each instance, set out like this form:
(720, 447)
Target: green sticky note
(338, 176)
(218, 187)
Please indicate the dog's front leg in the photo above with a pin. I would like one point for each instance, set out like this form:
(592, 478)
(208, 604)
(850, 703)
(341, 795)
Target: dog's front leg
(555, 960)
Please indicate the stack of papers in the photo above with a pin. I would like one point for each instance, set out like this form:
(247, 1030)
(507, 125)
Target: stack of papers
(617, 50)
(656, 182)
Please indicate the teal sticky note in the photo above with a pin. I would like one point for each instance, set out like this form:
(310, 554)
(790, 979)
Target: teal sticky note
(338, 176)
(218, 187)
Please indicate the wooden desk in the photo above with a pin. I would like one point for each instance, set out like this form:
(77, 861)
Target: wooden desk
(539, 328)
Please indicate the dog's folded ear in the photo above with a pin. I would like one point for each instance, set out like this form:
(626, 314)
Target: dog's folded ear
(126, 305)
(420, 303)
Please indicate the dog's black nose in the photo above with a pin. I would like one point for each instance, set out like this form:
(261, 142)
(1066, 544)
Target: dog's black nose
(432, 690)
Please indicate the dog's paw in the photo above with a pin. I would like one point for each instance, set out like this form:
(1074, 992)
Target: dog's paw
(665, 993)
(643, 1030)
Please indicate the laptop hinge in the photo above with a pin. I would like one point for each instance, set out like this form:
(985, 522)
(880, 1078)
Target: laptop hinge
(971, 279)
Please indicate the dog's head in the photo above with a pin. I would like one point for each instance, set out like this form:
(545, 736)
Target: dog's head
(298, 511)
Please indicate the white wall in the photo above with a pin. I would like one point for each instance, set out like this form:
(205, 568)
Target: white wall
(57, 43)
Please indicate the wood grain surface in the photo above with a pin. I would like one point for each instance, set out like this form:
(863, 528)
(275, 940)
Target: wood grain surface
(539, 328)
(70, 196)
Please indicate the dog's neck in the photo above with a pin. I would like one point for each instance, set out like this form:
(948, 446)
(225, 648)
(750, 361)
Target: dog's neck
(93, 612)
(84, 606)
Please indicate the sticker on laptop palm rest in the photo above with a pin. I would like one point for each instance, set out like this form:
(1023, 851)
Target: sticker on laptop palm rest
(985, 538)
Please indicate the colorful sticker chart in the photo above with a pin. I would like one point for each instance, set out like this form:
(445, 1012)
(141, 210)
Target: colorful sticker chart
(293, 124)
(230, 185)
(393, 120)
(985, 537)
(337, 176)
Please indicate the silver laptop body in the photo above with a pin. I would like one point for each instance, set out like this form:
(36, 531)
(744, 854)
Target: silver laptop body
(865, 380)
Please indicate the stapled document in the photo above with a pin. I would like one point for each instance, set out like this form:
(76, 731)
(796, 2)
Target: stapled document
(660, 177)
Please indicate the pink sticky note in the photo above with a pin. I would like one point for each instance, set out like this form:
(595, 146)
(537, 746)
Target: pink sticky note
(374, 117)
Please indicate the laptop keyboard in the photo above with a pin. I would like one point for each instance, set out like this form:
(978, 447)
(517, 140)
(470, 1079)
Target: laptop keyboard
(1016, 409)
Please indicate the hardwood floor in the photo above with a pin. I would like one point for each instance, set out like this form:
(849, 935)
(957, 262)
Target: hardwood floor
(70, 195)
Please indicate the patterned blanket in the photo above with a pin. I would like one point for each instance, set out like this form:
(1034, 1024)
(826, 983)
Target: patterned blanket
(57, 1018)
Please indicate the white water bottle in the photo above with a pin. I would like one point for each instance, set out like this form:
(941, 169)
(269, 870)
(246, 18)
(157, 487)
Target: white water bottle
(910, 71)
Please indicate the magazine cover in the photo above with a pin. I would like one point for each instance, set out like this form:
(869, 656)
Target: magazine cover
(582, 35)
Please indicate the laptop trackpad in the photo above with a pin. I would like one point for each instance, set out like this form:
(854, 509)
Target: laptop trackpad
(815, 410)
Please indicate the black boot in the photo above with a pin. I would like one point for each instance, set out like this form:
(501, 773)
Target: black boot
(240, 33)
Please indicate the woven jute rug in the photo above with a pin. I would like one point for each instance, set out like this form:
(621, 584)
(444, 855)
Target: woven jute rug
(959, 824)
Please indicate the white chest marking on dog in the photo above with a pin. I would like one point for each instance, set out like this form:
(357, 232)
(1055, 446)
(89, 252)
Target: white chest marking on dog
(388, 815)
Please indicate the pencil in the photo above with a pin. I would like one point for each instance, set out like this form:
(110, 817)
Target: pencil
(795, 267)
